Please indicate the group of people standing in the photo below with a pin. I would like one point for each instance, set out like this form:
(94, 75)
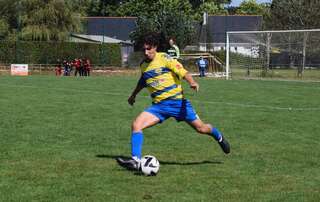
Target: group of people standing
(81, 67)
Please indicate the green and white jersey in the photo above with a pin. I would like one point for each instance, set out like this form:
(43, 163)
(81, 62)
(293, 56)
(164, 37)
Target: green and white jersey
(174, 52)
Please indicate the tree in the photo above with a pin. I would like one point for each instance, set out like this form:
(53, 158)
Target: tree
(294, 14)
(103, 7)
(4, 29)
(197, 3)
(211, 8)
(250, 7)
(81, 6)
(170, 18)
(141, 7)
(47, 20)
(9, 15)
(137, 8)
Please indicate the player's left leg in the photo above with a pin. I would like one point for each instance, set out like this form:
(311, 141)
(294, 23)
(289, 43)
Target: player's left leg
(142, 121)
(208, 129)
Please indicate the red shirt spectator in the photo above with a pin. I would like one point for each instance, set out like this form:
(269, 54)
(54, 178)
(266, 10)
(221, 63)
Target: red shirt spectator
(58, 70)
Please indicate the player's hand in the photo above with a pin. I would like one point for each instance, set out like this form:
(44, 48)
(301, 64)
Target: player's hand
(132, 100)
(195, 86)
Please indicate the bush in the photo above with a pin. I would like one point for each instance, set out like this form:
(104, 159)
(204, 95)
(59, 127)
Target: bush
(135, 59)
(31, 52)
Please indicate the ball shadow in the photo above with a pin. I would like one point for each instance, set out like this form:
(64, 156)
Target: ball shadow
(189, 163)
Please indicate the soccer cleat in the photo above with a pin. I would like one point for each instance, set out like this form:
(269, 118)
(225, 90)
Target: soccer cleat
(129, 163)
(224, 144)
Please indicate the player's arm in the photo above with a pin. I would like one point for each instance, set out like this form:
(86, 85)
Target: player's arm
(192, 83)
(182, 73)
(140, 85)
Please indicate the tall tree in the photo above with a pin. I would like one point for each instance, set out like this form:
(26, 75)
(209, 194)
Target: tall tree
(80, 6)
(4, 28)
(211, 8)
(137, 8)
(9, 14)
(294, 14)
(250, 7)
(140, 7)
(47, 20)
(171, 18)
(197, 3)
(297, 14)
(103, 7)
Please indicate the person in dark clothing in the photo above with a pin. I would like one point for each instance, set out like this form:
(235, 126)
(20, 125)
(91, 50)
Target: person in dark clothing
(87, 67)
(76, 64)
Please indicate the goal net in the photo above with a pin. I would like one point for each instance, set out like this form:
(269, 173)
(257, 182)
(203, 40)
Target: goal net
(286, 54)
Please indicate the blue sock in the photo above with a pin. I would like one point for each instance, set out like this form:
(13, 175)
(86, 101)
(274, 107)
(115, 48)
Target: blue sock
(136, 144)
(216, 134)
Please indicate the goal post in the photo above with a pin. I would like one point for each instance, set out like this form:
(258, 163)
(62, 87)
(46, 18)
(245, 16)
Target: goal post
(286, 54)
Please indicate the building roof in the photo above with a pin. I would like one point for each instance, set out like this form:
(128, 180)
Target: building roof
(121, 27)
(96, 39)
(114, 27)
(219, 25)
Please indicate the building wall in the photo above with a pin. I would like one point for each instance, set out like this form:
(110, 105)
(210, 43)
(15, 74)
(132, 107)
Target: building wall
(114, 27)
(218, 26)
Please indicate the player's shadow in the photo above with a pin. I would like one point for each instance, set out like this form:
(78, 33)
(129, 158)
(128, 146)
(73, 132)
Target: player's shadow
(163, 162)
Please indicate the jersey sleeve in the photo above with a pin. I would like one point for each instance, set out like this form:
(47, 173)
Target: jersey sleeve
(177, 51)
(175, 66)
(142, 82)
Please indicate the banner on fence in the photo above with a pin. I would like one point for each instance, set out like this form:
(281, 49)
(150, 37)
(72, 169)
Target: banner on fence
(19, 69)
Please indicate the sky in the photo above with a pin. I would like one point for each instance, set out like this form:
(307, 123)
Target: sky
(238, 2)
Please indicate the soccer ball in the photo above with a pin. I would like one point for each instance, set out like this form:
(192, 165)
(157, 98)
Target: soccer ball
(150, 165)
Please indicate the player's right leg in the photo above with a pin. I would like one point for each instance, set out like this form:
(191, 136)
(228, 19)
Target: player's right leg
(208, 129)
(189, 115)
(143, 120)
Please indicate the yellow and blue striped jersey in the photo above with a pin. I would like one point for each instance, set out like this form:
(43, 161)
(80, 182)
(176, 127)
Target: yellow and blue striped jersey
(162, 77)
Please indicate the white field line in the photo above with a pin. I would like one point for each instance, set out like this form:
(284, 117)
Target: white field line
(261, 106)
(244, 105)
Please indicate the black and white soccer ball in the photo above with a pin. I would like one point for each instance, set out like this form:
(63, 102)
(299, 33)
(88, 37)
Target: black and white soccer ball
(150, 165)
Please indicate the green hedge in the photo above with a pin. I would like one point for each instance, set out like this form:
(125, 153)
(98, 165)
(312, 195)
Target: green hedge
(49, 52)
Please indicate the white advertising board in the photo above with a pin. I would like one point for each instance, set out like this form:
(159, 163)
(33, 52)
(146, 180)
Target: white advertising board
(19, 69)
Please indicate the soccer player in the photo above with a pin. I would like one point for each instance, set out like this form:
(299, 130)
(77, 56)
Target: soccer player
(162, 75)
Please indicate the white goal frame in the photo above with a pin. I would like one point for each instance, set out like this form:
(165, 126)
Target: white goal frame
(254, 32)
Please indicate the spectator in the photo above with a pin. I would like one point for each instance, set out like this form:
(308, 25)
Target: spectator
(87, 67)
(202, 65)
(65, 68)
(173, 51)
(76, 64)
(81, 62)
(58, 70)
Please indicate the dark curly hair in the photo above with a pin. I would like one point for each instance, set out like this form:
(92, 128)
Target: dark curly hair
(152, 39)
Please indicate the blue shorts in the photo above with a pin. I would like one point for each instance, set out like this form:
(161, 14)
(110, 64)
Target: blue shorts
(181, 110)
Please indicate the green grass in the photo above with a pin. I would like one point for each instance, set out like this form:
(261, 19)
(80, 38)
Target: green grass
(276, 74)
(59, 137)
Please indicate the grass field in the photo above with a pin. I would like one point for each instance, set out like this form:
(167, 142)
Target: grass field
(276, 74)
(59, 137)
